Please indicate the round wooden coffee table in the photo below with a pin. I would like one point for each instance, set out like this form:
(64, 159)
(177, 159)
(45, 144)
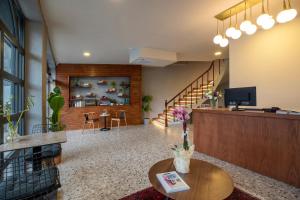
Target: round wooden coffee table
(206, 181)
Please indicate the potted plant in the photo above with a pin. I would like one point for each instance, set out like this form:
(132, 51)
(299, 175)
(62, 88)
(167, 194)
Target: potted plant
(6, 112)
(146, 107)
(183, 152)
(56, 103)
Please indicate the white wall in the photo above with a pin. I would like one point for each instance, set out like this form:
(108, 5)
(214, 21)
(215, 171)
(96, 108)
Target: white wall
(35, 75)
(269, 60)
(164, 83)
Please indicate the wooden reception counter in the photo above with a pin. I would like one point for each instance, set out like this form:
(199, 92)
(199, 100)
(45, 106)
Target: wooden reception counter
(262, 142)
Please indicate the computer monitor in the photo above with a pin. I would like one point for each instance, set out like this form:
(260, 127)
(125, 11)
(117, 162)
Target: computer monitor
(245, 96)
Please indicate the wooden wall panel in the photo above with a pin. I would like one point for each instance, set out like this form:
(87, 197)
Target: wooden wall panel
(265, 143)
(73, 117)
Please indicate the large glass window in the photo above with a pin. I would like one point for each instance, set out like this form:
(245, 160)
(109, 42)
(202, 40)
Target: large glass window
(11, 63)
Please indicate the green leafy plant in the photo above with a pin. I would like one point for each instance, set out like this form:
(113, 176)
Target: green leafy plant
(113, 84)
(56, 103)
(146, 101)
(6, 112)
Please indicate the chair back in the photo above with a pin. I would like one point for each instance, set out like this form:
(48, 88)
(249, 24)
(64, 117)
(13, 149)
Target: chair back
(86, 117)
(40, 128)
(122, 114)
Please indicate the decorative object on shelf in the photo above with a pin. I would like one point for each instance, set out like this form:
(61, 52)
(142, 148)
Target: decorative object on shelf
(56, 102)
(213, 97)
(124, 84)
(111, 90)
(112, 101)
(90, 95)
(264, 20)
(102, 82)
(184, 152)
(146, 107)
(6, 111)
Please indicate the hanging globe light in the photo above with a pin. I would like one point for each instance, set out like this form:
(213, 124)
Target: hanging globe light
(265, 20)
(237, 33)
(230, 31)
(217, 39)
(287, 14)
(251, 30)
(224, 42)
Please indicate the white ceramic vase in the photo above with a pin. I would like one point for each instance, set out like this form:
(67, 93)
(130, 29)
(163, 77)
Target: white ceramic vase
(182, 160)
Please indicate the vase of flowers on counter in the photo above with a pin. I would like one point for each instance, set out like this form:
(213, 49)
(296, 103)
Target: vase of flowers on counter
(213, 97)
(184, 151)
(6, 111)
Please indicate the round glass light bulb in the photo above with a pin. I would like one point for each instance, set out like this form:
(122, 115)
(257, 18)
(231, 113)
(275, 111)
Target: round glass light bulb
(217, 39)
(230, 31)
(252, 29)
(245, 25)
(224, 42)
(268, 24)
(286, 15)
(237, 34)
(262, 18)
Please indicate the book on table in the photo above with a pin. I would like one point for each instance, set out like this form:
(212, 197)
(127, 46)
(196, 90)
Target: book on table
(172, 182)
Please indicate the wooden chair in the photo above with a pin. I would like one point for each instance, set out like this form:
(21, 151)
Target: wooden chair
(120, 115)
(89, 120)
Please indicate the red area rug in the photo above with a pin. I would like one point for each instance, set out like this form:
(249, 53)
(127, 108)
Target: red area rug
(152, 194)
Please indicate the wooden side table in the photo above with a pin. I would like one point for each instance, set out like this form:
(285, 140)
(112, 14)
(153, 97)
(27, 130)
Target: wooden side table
(206, 181)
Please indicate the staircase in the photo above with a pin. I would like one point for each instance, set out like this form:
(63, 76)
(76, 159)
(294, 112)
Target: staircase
(192, 95)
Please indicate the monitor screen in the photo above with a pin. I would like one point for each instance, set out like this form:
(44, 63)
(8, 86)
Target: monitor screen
(240, 96)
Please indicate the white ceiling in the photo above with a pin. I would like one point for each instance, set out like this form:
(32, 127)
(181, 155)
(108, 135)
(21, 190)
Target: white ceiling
(108, 28)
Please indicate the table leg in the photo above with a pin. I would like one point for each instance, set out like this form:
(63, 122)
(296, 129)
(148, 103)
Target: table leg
(105, 127)
(37, 158)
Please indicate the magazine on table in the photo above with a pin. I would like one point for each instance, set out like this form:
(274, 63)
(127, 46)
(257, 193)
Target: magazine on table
(172, 182)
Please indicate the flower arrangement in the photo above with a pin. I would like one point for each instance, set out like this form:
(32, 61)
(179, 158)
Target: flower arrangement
(6, 112)
(213, 96)
(182, 152)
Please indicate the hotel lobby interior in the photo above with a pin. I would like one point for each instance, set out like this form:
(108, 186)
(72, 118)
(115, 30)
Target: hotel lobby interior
(149, 99)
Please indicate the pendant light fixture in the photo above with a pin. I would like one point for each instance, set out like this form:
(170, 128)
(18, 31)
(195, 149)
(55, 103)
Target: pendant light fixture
(253, 28)
(246, 24)
(237, 33)
(287, 14)
(265, 20)
(224, 42)
(217, 39)
(231, 29)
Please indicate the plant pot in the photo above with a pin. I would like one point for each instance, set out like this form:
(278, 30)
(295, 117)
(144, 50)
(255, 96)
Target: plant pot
(182, 160)
(146, 121)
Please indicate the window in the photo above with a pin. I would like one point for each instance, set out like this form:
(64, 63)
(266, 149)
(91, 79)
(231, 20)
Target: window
(11, 62)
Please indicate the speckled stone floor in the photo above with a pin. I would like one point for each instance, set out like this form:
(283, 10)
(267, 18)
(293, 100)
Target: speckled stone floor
(110, 165)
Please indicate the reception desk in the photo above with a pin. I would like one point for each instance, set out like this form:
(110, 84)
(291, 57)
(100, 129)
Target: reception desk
(262, 142)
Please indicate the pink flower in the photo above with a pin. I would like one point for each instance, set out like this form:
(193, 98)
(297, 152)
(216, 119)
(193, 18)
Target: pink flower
(181, 114)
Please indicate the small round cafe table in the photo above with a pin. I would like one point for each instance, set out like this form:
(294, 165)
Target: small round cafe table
(104, 115)
(206, 181)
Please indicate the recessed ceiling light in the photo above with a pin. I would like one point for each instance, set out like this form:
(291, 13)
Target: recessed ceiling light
(86, 54)
(218, 53)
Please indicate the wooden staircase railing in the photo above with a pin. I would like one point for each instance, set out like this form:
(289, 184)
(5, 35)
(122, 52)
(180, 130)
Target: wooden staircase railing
(204, 79)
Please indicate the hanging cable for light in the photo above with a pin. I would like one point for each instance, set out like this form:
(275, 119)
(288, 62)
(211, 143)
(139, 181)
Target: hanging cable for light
(246, 24)
(237, 33)
(231, 29)
(217, 39)
(224, 42)
(287, 14)
(265, 20)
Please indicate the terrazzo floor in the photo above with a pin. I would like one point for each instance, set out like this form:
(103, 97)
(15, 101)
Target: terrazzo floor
(110, 165)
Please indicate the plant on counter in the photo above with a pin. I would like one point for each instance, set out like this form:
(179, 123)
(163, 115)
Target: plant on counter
(184, 152)
(6, 111)
(146, 107)
(213, 97)
(56, 103)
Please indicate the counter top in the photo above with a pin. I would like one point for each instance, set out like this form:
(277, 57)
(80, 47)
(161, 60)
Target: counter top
(226, 111)
(28, 141)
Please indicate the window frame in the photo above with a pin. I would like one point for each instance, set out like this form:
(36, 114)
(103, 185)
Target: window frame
(16, 78)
